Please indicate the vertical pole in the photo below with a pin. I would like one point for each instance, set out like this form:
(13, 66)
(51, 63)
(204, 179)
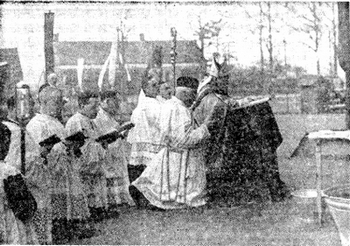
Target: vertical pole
(20, 116)
(335, 46)
(173, 54)
(48, 44)
(344, 51)
(1, 28)
(347, 99)
(174, 73)
(23, 148)
(118, 85)
(121, 54)
(285, 53)
(319, 181)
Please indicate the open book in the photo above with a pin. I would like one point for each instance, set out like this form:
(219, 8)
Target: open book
(114, 135)
(76, 137)
(50, 141)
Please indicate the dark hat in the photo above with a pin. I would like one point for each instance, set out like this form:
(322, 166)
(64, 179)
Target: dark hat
(114, 135)
(189, 82)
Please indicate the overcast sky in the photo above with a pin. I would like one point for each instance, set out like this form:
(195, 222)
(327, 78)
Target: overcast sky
(23, 28)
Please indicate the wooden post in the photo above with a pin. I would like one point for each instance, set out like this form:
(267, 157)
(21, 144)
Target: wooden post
(344, 51)
(347, 99)
(319, 180)
(48, 44)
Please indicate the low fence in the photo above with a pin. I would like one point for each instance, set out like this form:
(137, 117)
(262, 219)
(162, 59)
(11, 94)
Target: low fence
(280, 104)
(293, 104)
(286, 104)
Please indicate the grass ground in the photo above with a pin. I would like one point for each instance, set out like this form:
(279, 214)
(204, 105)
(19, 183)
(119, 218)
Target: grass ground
(286, 223)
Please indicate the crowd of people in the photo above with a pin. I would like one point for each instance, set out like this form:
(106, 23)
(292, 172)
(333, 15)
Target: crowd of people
(78, 178)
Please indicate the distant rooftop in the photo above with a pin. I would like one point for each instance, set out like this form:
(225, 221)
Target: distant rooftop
(136, 52)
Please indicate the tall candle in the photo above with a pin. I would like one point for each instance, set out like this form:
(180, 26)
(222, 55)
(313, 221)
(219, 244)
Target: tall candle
(21, 107)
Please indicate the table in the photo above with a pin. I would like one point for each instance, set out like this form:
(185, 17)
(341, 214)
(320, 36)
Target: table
(320, 138)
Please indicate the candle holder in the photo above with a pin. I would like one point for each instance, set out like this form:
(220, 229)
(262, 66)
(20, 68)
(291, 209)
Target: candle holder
(22, 114)
(22, 103)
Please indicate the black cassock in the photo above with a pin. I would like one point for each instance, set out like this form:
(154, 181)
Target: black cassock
(246, 147)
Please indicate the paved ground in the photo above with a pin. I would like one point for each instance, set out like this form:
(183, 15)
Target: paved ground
(286, 223)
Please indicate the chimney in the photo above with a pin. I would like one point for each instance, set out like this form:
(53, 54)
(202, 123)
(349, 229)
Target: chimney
(142, 37)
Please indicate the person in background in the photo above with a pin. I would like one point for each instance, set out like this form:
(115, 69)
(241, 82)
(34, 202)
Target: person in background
(115, 164)
(93, 154)
(52, 79)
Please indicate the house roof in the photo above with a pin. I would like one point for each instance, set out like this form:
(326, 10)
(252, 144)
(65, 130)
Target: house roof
(67, 53)
(136, 52)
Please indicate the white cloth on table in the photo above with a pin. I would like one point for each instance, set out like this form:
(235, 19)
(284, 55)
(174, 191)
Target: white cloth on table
(330, 134)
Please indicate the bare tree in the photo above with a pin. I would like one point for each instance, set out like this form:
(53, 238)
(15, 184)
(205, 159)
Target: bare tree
(253, 28)
(335, 48)
(269, 44)
(330, 25)
(261, 27)
(310, 25)
(207, 31)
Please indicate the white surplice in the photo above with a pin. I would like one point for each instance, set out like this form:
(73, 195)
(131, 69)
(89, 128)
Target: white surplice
(68, 198)
(145, 137)
(175, 177)
(115, 164)
(13, 231)
(14, 155)
(39, 173)
(93, 156)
